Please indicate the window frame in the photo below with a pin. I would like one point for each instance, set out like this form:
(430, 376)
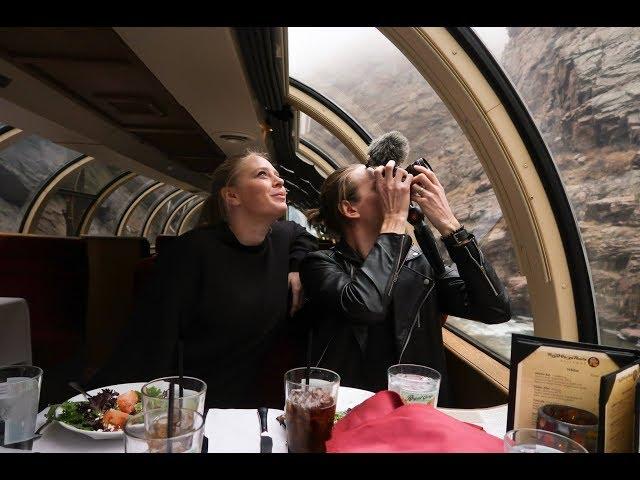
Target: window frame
(126, 214)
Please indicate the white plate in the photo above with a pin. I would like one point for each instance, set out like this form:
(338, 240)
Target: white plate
(122, 388)
(349, 397)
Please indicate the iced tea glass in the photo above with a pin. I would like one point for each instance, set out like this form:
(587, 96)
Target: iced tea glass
(310, 408)
(415, 383)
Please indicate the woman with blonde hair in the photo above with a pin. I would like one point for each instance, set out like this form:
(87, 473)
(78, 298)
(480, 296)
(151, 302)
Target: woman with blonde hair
(222, 289)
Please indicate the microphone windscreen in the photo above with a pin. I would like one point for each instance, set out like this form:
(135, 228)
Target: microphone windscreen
(390, 146)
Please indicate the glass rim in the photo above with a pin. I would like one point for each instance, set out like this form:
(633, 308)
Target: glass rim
(160, 410)
(38, 375)
(564, 422)
(570, 441)
(415, 365)
(204, 390)
(311, 369)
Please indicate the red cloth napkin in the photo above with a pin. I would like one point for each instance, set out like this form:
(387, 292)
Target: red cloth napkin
(383, 423)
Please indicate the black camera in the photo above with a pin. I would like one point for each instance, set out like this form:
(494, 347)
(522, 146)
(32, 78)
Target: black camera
(422, 162)
(415, 215)
(411, 168)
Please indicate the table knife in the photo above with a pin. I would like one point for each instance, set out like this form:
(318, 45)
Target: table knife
(266, 442)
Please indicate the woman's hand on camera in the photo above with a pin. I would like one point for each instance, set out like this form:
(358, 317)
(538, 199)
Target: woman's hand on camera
(394, 191)
(428, 193)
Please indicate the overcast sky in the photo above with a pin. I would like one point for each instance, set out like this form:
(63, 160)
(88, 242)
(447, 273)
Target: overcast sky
(317, 45)
(495, 38)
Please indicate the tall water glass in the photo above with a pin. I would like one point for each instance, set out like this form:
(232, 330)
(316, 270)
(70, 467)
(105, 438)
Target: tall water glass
(147, 432)
(155, 394)
(19, 398)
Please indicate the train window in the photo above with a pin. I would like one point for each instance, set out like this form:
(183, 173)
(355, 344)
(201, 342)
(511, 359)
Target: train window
(297, 216)
(382, 90)
(135, 224)
(162, 215)
(581, 87)
(25, 167)
(317, 135)
(64, 210)
(191, 218)
(178, 215)
(105, 220)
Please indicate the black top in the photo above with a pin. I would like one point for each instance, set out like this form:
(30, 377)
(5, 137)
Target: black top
(231, 303)
(380, 353)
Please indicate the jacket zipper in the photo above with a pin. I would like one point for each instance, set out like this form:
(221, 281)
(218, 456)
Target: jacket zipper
(397, 268)
(325, 350)
(415, 320)
(482, 269)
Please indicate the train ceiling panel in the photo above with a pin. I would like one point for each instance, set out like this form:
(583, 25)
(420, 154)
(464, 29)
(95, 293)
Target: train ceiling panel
(201, 68)
(96, 68)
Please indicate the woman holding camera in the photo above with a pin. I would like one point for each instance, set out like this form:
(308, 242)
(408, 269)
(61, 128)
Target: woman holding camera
(376, 297)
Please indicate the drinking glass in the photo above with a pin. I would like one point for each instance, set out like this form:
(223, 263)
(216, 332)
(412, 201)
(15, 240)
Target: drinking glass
(155, 394)
(532, 440)
(574, 423)
(310, 409)
(147, 432)
(19, 397)
(415, 383)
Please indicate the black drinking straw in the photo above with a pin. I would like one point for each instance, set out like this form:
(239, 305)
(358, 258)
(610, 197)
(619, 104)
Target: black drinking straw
(170, 417)
(309, 342)
(180, 367)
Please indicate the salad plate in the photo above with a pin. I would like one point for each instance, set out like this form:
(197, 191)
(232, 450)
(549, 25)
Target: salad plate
(69, 416)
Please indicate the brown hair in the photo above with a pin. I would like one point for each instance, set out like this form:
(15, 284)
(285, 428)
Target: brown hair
(337, 187)
(214, 209)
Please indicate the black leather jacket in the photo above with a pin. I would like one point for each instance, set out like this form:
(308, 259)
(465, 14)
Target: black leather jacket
(348, 294)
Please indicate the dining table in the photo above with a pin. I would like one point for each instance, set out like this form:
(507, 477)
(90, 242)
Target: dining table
(238, 430)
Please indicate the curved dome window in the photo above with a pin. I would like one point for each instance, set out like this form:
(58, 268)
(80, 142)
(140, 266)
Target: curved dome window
(157, 222)
(107, 216)
(319, 136)
(370, 79)
(297, 216)
(25, 167)
(73, 195)
(178, 215)
(582, 87)
(191, 219)
(134, 226)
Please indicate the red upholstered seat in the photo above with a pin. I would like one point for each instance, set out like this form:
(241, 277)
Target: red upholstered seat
(51, 273)
(143, 274)
(163, 242)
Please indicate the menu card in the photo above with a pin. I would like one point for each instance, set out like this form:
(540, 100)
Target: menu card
(596, 378)
(618, 420)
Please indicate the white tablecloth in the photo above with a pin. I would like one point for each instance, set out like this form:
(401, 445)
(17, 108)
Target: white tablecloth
(238, 431)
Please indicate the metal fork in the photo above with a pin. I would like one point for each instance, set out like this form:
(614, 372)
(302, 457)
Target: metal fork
(50, 415)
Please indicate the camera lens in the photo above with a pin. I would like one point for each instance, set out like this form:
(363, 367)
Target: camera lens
(422, 162)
